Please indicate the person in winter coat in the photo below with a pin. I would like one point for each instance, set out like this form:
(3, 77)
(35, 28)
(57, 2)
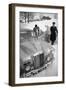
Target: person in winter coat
(36, 31)
(54, 33)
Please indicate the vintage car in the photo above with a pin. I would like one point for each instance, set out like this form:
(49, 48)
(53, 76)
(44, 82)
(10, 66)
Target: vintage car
(34, 54)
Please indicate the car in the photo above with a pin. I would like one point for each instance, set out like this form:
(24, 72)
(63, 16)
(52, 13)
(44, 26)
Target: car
(34, 54)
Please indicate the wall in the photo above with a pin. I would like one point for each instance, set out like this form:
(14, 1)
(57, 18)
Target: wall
(4, 45)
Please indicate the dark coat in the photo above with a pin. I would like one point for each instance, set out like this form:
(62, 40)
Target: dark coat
(54, 31)
(36, 30)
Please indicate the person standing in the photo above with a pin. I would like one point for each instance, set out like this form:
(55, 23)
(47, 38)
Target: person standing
(36, 31)
(54, 32)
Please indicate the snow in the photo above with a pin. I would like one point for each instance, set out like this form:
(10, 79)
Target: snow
(52, 69)
(42, 24)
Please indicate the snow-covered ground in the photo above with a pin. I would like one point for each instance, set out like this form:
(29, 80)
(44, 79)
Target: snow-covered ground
(42, 24)
(52, 69)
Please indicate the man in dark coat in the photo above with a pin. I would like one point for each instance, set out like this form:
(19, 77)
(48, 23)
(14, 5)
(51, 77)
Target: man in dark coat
(54, 32)
(36, 31)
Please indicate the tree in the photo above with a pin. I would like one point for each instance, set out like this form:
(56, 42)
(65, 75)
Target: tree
(26, 16)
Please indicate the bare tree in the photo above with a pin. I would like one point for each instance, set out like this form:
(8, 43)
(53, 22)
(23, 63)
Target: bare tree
(25, 16)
